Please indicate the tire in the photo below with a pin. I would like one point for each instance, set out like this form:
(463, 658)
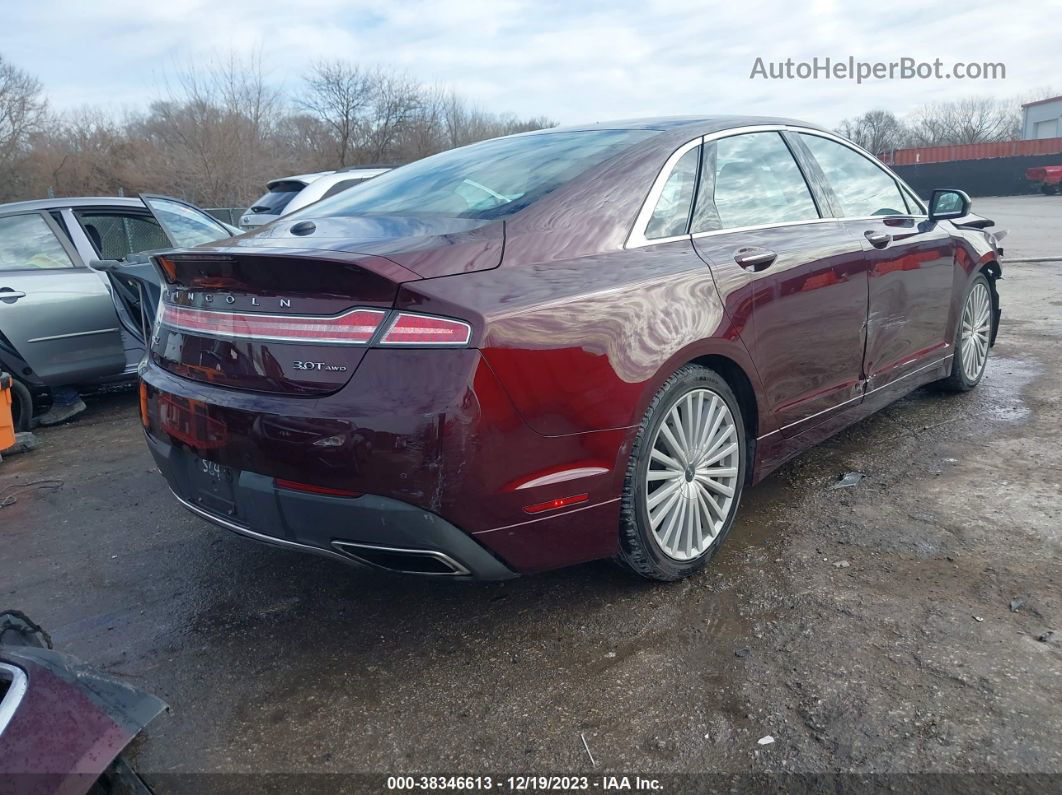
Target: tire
(21, 406)
(967, 373)
(1049, 190)
(665, 544)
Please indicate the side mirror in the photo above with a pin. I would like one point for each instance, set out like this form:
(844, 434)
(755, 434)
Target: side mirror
(948, 203)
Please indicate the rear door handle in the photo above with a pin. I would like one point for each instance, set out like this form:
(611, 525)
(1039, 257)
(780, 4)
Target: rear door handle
(9, 296)
(754, 259)
(877, 239)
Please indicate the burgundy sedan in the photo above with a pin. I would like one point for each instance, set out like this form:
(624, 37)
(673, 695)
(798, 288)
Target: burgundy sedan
(554, 347)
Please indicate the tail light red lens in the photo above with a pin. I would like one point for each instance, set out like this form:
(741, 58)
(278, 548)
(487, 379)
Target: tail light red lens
(409, 329)
(356, 327)
(309, 488)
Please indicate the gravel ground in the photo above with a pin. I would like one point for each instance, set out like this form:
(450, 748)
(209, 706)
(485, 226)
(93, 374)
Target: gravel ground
(901, 625)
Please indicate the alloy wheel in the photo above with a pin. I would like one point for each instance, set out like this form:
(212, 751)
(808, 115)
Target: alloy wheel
(976, 331)
(691, 480)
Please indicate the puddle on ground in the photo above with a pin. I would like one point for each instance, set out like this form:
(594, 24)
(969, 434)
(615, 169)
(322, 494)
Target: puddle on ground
(1005, 382)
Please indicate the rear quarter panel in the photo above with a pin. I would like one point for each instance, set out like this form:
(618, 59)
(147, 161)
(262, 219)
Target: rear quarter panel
(583, 344)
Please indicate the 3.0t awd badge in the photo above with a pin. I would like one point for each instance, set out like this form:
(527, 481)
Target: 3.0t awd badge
(322, 366)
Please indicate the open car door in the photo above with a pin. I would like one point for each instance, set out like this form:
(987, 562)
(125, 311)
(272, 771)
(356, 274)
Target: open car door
(135, 282)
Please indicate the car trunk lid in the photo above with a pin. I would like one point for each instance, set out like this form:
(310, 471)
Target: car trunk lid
(272, 323)
(292, 313)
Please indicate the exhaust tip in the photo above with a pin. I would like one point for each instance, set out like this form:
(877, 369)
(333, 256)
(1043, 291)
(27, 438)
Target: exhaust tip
(403, 561)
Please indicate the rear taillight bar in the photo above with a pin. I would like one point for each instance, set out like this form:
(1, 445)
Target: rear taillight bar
(409, 329)
(356, 327)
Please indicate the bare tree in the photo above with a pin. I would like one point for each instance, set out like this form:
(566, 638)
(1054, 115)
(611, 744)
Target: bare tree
(966, 121)
(22, 113)
(877, 131)
(215, 130)
(339, 94)
(396, 101)
(220, 131)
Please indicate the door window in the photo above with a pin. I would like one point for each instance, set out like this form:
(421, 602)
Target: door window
(28, 243)
(116, 236)
(186, 225)
(750, 180)
(862, 187)
(671, 215)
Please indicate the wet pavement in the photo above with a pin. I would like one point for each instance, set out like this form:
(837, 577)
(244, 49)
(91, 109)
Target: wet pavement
(889, 626)
(1033, 223)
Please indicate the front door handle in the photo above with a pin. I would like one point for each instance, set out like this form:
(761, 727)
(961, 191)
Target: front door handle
(9, 296)
(877, 239)
(754, 259)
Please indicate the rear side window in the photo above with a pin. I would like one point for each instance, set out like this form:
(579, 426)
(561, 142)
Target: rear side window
(750, 180)
(116, 236)
(274, 200)
(672, 212)
(862, 187)
(28, 243)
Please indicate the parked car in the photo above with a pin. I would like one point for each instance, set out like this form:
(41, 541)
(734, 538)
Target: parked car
(1047, 178)
(559, 346)
(285, 196)
(59, 324)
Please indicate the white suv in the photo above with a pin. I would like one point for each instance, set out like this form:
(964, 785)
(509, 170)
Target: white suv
(284, 196)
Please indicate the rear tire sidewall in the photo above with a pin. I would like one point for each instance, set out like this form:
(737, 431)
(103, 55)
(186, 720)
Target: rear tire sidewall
(21, 406)
(640, 549)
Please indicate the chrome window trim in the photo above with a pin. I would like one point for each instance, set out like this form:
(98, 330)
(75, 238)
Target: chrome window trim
(15, 691)
(637, 239)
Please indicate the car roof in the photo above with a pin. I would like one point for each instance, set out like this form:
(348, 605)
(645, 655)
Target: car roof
(306, 178)
(354, 173)
(695, 125)
(71, 201)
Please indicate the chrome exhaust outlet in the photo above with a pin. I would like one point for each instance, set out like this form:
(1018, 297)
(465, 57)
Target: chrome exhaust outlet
(428, 562)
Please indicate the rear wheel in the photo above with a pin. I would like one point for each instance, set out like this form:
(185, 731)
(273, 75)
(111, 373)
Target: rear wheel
(685, 476)
(973, 338)
(1049, 190)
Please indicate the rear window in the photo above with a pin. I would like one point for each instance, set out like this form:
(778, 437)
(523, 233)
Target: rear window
(339, 187)
(277, 197)
(491, 179)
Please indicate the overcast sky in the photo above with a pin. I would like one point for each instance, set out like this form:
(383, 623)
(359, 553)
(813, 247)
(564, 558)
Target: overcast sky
(572, 60)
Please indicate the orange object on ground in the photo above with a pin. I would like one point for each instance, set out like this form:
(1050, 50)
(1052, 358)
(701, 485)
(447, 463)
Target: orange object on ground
(7, 421)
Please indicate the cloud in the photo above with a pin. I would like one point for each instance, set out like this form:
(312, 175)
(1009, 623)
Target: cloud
(573, 61)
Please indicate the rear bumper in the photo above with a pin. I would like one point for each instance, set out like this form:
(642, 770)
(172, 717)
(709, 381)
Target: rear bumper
(369, 530)
(427, 436)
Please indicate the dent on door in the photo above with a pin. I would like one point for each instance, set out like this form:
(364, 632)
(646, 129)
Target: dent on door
(911, 283)
(806, 314)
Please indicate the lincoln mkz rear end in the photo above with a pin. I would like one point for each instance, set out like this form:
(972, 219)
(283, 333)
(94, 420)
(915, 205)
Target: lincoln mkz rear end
(381, 378)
